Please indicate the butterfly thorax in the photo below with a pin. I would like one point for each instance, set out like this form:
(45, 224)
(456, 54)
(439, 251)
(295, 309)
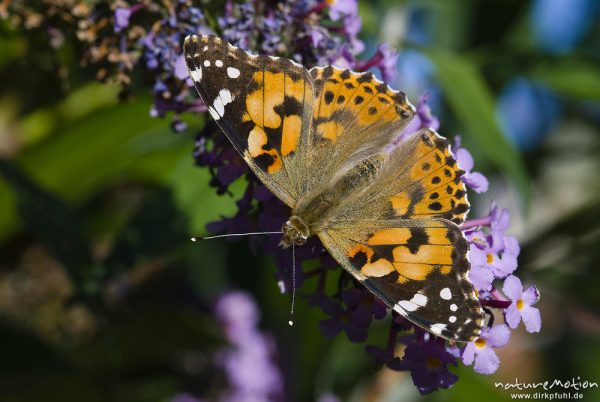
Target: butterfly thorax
(312, 213)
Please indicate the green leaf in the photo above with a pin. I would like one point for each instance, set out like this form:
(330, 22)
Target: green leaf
(80, 103)
(472, 102)
(571, 78)
(87, 156)
(197, 199)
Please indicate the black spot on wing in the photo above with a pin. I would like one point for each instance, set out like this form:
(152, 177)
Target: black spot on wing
(264, 160)
(384, 251)
(417, 239)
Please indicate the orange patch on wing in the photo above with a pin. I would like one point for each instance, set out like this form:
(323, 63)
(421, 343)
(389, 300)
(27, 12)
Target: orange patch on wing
(360, 248)
(262, 102)
(437, 235)
(400, 203)
(416, 272)
(276, 165)
(390, 236)
(369, 115)
(294, 89)
(378, 268)
(426, 254)
(325, 109)
(256, 139)
(329, 130)
(425, 162)
(290, 135)
(427, 207)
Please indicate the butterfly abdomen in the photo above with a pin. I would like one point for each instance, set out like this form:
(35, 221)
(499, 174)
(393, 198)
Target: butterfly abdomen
(359, 176)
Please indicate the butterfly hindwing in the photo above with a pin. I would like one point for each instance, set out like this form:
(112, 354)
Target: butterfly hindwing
(398, 236)
(263, 104)
(418, 267)
(420, 179)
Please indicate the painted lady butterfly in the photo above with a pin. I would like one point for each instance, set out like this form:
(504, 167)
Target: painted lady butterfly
(323, 141)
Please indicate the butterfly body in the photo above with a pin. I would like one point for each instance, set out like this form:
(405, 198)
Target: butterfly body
(326, 142)
(315, 210)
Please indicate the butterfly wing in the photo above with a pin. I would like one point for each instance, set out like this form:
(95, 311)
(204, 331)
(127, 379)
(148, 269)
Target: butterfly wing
(418, 267)
(354, 116)
(397, 237)
(263, 104)
(420, 179)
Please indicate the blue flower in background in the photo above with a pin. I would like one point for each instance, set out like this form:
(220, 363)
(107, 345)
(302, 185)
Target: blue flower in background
(416, 76)
(419, 23)
(527, 112)
(559, 25)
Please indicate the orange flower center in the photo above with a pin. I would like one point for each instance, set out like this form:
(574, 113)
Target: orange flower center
(490, 258)
(520, 304)
(480, 343)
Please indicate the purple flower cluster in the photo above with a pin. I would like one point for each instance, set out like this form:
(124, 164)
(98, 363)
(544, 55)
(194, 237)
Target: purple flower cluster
(161, 53)
(248, 363)
(353, 316)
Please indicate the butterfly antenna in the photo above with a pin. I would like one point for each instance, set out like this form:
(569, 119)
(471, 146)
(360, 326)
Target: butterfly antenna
(291, 321)
(196, 238)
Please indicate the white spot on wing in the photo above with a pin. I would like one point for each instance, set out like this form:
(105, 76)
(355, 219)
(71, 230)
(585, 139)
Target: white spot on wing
(196, 74)
(206, 63)
(417, 301)
(453, 307)
(221, 101)
(213, 113)
(446, 294)
(219, 63)
(437, 328)
(407, 305)
(225, 95)
(233, 72)
(452, 318)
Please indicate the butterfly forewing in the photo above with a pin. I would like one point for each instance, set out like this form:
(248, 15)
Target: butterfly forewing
(263, 104)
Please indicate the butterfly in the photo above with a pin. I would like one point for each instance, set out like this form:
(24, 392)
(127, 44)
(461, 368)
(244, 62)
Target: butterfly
(325, 142)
